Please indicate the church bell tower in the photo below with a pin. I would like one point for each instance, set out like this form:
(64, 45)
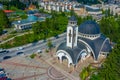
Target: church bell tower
(72, 32)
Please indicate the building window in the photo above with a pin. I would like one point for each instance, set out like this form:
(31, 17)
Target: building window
(70, 35)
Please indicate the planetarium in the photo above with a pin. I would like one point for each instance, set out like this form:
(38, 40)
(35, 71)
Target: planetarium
(83, 41)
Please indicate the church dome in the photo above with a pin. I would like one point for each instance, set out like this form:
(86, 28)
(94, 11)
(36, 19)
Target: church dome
(32, 18)
(72, 18)
(89, 27)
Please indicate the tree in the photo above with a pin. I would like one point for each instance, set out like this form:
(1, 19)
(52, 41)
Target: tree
(24, 16)
(72, 12)
(1, 30)
(38, 28)
(86, 72)
(110, 68)
(110, 27)
(49, 44)
(4, 19)
(95, 77)
(13, 8)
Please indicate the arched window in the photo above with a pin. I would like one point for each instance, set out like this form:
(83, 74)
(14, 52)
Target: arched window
(70, 35)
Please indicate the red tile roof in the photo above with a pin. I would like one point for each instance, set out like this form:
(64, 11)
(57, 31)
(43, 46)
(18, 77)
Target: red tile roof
(8, 11)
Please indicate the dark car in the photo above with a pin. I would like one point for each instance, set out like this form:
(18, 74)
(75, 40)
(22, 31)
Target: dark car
(56, 36)
(4, 31)
(6, 57)
(44, 40)
(4, 51)
(18, 53)
(1, 69)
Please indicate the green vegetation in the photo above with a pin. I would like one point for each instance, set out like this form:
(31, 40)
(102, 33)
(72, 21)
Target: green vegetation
(46, 50)
(86, 72)
(32, 56)
(20, 40)
(42, 30)
(110, 26)
(95, 77)
(49, 44)
(4, 22)
(110, 69)
(1, 29)
(14, 4)
(51, 27)
(81, 20)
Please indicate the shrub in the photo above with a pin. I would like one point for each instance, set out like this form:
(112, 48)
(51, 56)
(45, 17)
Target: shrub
(32, 55)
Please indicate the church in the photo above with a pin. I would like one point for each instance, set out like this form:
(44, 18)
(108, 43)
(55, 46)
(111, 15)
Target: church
(83, 41)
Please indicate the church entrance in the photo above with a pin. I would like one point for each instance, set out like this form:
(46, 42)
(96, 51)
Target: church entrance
(64, 60)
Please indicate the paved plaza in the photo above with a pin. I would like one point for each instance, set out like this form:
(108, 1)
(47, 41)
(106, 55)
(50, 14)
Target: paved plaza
(44, 66)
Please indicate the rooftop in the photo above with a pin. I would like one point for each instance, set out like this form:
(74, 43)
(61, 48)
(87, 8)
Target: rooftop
(89, 27)
(8, 11)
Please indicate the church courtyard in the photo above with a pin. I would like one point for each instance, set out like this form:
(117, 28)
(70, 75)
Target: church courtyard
(45, 66)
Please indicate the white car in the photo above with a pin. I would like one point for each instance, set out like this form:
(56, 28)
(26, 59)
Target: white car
(20, 48)
(39, 51)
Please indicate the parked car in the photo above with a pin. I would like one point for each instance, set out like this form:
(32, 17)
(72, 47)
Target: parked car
(6, 57)
(18, 53)
(20, 48)
(44, 40)
(4, 31)
(4, 51)
(57, 36)
(39, 51)
(1, 69)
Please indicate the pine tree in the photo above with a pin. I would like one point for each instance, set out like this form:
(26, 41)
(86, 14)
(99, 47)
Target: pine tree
(4, 19)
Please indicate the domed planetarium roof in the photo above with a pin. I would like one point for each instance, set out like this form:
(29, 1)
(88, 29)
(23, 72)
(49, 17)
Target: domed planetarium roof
(89, 27)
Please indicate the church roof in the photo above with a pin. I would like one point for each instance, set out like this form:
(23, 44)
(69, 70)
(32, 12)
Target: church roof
(74, 53)
(72, 18)
(107, 47)
(89, 27)
(98, 45)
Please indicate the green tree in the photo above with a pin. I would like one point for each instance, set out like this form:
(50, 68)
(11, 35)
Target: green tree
(49, 44)
(1, 29)
(110, 27)
(13, 8)
(24, 16)
(4, 19)
(95, 77)
(110, 69)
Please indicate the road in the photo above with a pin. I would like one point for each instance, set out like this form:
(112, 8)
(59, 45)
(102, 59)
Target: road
(33, 47)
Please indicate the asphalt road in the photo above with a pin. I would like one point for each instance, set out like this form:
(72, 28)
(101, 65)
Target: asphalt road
(33, 47)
